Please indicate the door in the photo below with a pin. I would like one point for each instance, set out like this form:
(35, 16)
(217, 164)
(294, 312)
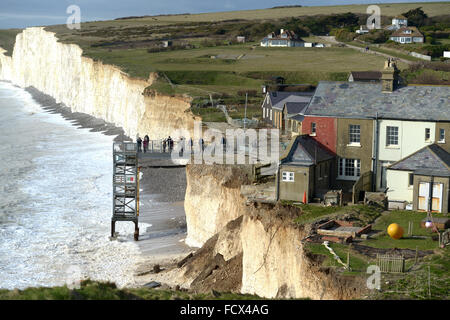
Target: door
(424, 188)
(436, 202)
(383, 170)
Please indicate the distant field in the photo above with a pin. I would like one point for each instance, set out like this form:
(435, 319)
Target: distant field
(139, 62)
(196, 68)
(431, 8)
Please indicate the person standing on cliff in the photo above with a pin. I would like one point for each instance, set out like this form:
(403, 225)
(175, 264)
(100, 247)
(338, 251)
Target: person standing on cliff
(181, 142)
(139, 144)
(164, 144)
(170, 143)
(191, 145)
(224, 143)
(146, 141)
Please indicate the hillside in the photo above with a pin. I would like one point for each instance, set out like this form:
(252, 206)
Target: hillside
(205, 58)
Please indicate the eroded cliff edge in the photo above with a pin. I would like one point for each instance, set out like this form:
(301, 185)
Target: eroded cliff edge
(257, 245)
(91, 87)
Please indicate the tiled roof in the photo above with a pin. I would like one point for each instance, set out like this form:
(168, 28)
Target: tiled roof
(296, 117)
(279, 98)
(305, 151)
(290, 35)
(402, 32)
(362, 100)
(430, 160)
(294, 108)
(366, 75)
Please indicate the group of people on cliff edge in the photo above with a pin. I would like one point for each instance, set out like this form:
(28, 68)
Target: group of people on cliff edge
(142, 143)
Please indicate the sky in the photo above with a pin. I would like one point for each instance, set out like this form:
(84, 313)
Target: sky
(27, 13)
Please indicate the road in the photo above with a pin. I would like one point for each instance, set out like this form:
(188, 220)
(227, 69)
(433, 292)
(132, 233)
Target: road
(334, 41)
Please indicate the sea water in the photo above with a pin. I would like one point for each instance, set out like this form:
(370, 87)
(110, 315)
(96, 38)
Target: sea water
(56, 200)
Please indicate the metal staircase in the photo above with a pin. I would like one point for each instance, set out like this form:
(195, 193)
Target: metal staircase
(125, 185)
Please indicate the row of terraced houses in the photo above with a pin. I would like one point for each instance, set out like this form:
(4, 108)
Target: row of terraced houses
(395, 137)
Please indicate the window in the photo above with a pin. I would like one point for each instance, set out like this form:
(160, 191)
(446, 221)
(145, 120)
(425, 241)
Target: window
(392, 136)
(410, 179)
(288, 176)
(427, 134)
(441, 135)
(355, 133)
(313, 128)
(349, 169)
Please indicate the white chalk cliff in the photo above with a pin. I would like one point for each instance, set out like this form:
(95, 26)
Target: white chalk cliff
(91, 87)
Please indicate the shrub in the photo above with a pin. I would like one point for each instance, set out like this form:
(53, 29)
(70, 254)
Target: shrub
(251, 93)
(344, 35)
(427, 77)
(376, 36)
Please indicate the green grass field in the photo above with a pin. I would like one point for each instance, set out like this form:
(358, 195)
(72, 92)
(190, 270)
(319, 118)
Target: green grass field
(193, 71)
(412, 284)
(213, 65)
(403, 218)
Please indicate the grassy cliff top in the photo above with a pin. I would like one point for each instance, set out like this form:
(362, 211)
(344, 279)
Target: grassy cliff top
(205, 58)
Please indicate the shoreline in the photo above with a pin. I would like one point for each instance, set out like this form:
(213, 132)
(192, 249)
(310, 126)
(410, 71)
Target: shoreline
(171, 195)
(78, 119)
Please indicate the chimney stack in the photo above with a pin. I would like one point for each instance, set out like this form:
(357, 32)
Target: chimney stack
(389, 76)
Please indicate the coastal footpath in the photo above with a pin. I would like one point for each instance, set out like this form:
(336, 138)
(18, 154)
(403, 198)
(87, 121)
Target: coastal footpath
(84, 85)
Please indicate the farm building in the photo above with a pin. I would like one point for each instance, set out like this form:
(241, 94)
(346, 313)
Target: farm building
(286, 38)
(407, 35)
(397, 23)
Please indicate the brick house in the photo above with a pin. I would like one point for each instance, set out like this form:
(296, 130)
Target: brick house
(280, 108)
(369, 126)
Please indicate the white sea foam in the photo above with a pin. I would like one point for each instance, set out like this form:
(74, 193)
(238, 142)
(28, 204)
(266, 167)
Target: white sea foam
(55, 200)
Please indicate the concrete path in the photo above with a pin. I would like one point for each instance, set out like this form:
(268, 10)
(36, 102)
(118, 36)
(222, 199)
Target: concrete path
(363, 50)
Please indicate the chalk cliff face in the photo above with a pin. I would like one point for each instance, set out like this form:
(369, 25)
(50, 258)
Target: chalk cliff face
(92, 87)
(212, 200)
(263, 237)
(277, 266)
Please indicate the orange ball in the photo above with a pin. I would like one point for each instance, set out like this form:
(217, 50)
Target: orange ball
(395, 231)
